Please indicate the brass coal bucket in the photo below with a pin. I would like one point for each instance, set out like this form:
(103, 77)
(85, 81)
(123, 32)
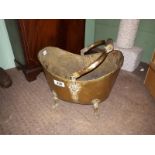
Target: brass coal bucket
(85, 79)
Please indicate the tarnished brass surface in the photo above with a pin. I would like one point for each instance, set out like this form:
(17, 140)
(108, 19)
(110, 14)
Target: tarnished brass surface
(150, 77)
(90, 67)
(59, 64)
(108, 47)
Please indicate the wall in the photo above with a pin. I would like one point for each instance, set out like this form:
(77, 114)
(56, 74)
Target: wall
(6, 53)
(146, 38)
(15, 40)
(105, 28)
(89, 31)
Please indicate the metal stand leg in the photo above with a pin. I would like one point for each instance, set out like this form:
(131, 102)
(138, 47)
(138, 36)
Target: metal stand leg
(55, 100)
(95, 103)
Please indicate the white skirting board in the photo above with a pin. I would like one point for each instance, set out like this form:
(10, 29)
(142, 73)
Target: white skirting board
(132, 57)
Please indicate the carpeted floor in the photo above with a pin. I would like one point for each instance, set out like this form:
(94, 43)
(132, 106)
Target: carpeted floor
(26, 108)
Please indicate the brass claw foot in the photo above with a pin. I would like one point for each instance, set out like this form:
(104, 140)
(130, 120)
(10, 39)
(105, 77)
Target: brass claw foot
(55, 100)
(95, 103)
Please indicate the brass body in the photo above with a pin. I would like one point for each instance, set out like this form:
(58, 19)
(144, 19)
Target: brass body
(96, 85)
(150, 77)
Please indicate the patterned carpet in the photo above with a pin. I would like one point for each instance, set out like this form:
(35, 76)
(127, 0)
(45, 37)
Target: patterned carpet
(26, 108)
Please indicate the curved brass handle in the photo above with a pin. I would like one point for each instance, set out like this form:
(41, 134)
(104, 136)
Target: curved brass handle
(92, 66)
(92, 46)
(108, 48)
